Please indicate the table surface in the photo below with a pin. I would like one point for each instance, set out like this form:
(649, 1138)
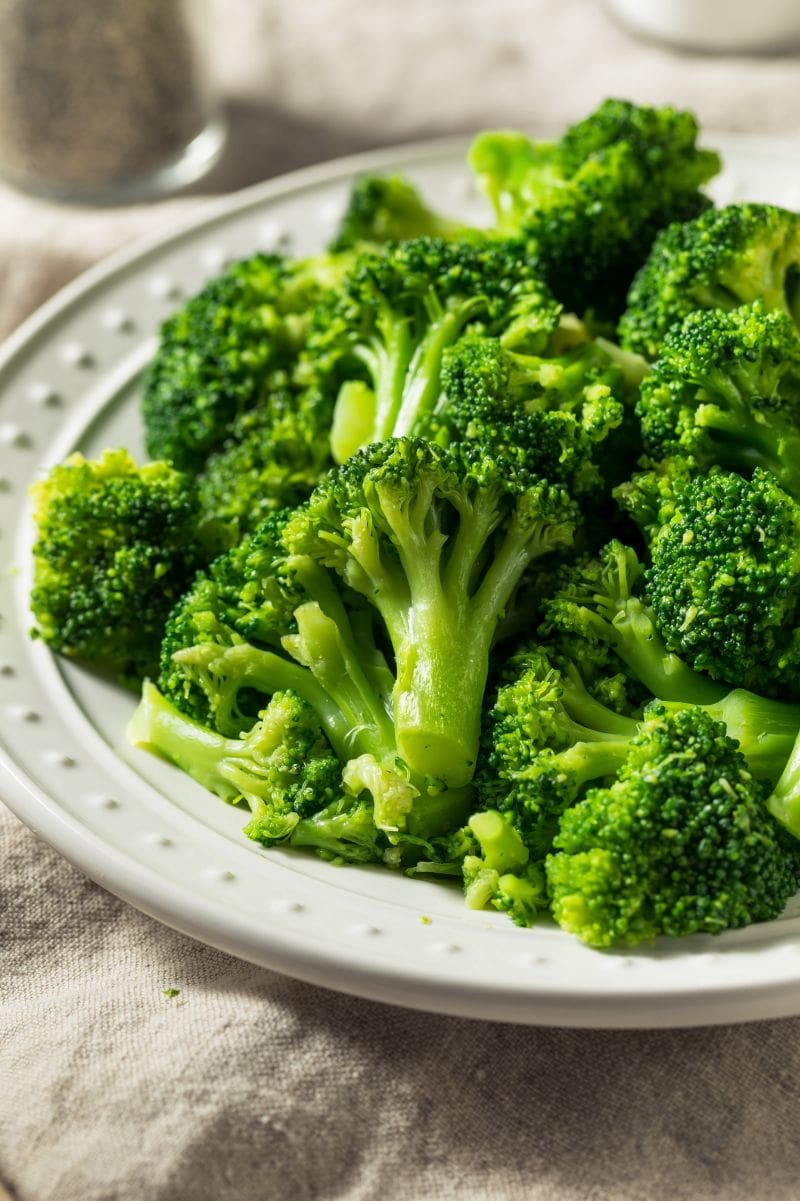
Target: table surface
(246, 1084)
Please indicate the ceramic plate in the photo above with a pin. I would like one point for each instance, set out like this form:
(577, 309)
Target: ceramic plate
(70, 379)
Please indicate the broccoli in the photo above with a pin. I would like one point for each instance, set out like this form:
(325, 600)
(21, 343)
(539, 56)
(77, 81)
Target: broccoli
(724, 582)
(544, 738)
(723, 259)
(726, 390)
(598, 601)
(282, 768)
(273, 457)
(437, 541)
(592, 203)
(417, 539)
(116, 546)
(227, 350)
(388, 208)
(382, 339)
(680, 843)
(565, 413)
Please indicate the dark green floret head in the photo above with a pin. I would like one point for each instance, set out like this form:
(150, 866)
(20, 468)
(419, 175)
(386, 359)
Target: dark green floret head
(227, 348)
(246, 595)
(116, 546)
(724, 582)
(725, 258)
(274, 456)
(726, 390)
(592, 203)
(681, 843)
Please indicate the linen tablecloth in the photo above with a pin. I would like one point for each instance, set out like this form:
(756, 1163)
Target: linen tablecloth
(253, 1087)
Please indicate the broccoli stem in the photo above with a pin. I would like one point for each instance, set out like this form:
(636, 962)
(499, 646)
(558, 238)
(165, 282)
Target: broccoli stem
(634, 637)
(220, 764)
(422, 388)
(755, 443)
(784, 803)
(765, 729)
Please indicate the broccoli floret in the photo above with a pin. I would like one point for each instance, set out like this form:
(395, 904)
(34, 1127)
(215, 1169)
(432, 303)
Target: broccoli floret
(592, 203)
(600, 601)
(544, 738)
(563, 414)
(437, 543)
(382, 339)
(282, 768)
(726, 390)
(724, 582)
(388, 208)
(680, 843)
(274, 456)
(648, 497)
(725, 258)
(227, 349)
(117, 545)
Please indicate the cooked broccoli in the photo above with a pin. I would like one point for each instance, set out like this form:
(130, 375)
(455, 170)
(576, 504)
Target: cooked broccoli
(273, 457)
(116, 546)
(681, 842)
(725, 258)
(545, 737)
(726, 390)
(592, 203)
(388, 208)
(282, 768)
(425, 541)
(227, 350)
(563, 414)
(384, 336)
(599, 601)
(437, 541)
(724, 582)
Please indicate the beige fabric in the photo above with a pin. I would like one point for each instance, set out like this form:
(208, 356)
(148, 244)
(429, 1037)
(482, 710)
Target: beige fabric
(251, 1087)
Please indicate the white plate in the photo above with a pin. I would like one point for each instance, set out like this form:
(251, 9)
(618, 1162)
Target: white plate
(69, 378)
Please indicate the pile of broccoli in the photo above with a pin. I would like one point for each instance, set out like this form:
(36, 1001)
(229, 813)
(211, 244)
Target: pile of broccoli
(475, 553)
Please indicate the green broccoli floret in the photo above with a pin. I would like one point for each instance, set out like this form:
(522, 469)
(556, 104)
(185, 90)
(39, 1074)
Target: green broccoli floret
(383, 337)
(725, 258)
(592, 203)
(227, 349)
(116, 546)
(726, 390)
(600, 600)
(563, 414)
(437, 542)
(648, 497)
(282, 768)
(681, 843)
(724, 582)
(274, 456)
(388, 208)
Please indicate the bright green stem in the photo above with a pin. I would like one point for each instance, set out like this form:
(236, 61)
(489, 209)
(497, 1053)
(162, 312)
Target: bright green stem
(784, 804)
(422, 385)
(203, 754)
(389, 374)
(320, 646)
(245, 666)
(592, 714)
(765, 729)
(641, 647)
(441, 677)
(584, 762)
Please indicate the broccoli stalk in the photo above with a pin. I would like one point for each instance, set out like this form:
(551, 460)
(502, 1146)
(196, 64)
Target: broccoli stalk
(438, 547)
(597, 603)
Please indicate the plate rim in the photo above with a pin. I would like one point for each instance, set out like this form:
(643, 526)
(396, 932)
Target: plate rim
(172, 903)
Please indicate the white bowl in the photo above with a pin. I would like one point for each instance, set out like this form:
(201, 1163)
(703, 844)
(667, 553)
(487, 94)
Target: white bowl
(721, 25)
